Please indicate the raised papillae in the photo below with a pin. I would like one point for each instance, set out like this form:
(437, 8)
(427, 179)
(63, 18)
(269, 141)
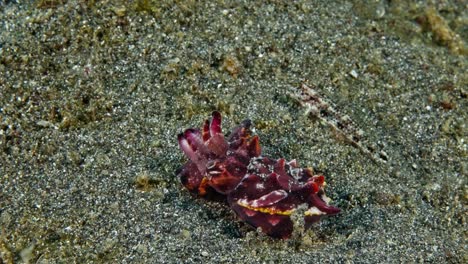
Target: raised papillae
(263, 192)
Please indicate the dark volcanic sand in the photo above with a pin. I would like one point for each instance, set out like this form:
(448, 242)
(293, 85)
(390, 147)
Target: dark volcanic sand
(93, 94)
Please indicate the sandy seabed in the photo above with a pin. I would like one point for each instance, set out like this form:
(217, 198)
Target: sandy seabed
(93, 94)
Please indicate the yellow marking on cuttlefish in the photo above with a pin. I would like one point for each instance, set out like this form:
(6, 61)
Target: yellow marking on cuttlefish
(273, 211)
(266, 210)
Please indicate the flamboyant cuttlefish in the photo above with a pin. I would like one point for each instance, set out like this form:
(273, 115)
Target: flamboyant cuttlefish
(263, 192)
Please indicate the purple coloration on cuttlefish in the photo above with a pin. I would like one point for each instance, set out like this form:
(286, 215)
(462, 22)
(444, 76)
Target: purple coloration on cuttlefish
(263, 192)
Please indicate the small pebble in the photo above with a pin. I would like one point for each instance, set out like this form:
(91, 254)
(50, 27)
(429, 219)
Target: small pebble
(353, 74)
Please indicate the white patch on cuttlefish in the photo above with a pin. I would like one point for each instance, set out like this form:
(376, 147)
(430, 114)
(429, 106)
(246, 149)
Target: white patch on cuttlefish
(325, 199)
(313, 211)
